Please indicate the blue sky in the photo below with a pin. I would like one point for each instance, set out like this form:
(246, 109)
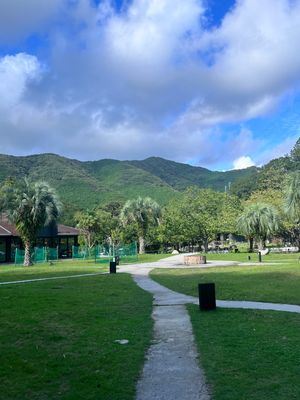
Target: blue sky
(209, 82)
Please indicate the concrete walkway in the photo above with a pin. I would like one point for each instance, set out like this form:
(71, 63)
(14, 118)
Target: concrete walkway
(163, 295)
(171, 370)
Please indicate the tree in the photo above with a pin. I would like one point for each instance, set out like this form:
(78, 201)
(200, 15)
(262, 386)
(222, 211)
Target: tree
(295, 155)
(258, 221)
(94, 226)
(30, 206)
(292, 203)
(178, 225)
(292, 197)
(143, 212)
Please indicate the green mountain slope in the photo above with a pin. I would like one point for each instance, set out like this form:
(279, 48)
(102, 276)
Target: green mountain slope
(84, 185)
(272, 175)
(180, 176)
(87, 184)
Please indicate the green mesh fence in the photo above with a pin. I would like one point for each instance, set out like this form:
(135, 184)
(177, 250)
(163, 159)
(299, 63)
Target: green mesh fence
(126, 252)
(79, 252)
(19, 256)
(52, 253)
(39, 255)
(97, 253)
(104, 253)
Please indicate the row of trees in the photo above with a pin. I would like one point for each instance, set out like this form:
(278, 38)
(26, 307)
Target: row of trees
(273, 212)
(195, 217)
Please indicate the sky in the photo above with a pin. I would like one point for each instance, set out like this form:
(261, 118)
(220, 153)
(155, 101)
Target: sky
(214, 83)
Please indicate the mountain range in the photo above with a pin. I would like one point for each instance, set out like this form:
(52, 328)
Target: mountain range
(86, 184)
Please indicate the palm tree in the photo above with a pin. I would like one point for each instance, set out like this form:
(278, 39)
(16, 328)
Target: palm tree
(292, 197)
(30, 206)
(258, 221)
(142, 212)
(292, 202)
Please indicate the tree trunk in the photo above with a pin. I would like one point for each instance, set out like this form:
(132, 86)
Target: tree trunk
(262, 244)
(27, 256)
(205, 245)
(251, 245)
(141, 245)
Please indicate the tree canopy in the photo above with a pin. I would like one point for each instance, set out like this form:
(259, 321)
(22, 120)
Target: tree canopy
(30, 206)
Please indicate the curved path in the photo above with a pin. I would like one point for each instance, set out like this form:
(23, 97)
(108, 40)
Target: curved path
(140, 273)
(171, 370)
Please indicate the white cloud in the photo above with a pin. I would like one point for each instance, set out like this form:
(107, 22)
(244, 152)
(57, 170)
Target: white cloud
(243, 162)
(148, 79)
(15, 74)
(153, 33)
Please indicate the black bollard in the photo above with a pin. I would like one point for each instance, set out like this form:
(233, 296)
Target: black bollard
(207, 296)
(259, 256)
(249, 258)
(112, 267)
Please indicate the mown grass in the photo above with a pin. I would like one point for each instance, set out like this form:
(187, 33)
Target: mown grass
(57, 338)
(274, 283)
(11, 272)
(244, 257)
(249, 355)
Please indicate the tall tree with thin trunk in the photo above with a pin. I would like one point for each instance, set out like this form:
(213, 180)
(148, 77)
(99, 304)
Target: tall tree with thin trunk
(292, 202)
(30, 206)
(142, 212)
(292, 196)
(258, 221)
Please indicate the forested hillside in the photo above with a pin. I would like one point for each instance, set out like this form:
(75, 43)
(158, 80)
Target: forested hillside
(270, 176)
(83, 185)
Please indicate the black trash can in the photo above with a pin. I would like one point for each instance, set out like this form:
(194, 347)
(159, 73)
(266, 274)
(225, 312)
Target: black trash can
(207, 296)
(112, 267)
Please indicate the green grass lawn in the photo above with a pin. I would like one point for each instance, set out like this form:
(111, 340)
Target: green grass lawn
(57, 338)
(246, 354)
(11, 272)
(275, 283)
(249, 355)
(243, 257)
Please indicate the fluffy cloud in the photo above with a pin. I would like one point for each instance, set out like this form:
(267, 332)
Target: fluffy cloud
(243, 162)
(150, 78)
(16, 73)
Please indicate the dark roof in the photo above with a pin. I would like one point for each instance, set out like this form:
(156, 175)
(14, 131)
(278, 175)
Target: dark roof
(66, 230)
(9, 229)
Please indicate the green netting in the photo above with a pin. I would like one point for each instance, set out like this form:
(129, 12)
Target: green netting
(51, 253)
(79, 252)
(19, 256)
(39, 255)
(123, 250)
(98, 253)
(126, 252)
(104, 253)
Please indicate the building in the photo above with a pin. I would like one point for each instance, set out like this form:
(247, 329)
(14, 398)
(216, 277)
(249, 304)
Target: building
(54, 235)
